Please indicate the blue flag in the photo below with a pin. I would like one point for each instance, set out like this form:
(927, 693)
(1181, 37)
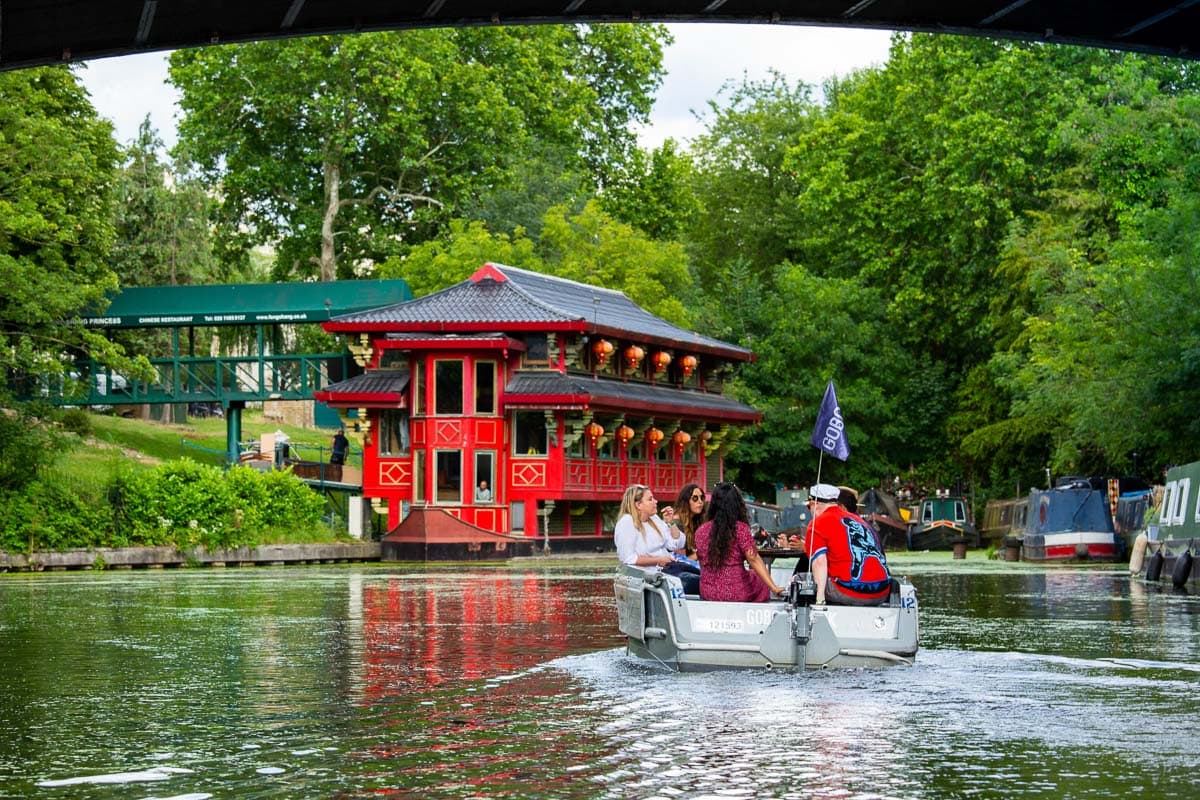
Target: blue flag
(830, 433)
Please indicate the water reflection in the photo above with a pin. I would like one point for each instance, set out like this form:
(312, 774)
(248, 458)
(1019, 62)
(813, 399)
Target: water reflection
(508, 682)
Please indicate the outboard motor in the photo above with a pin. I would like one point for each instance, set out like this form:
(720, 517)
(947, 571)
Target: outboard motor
(802, 591)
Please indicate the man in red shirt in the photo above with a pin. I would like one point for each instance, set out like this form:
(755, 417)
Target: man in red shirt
(847, 565)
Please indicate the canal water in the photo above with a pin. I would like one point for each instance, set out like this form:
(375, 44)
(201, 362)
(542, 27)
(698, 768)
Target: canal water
(378, 681)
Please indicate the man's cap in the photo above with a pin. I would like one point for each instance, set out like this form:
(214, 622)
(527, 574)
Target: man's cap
(824, 492)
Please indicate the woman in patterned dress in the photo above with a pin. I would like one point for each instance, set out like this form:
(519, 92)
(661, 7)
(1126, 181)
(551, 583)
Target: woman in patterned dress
(723, 543)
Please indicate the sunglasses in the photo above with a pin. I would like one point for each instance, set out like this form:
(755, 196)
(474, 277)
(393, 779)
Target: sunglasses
(699, 497)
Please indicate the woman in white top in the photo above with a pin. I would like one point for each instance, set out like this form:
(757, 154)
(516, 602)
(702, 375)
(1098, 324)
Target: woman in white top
(644, 539)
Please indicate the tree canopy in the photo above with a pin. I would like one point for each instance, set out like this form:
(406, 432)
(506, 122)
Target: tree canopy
(342, 151)
(56, 229)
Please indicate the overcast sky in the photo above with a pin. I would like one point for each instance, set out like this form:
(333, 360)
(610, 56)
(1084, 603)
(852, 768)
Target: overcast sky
(702, 59)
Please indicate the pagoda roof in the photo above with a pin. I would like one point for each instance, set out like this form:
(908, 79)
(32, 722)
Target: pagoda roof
(552, 389)
(373, 388)
(499, 297)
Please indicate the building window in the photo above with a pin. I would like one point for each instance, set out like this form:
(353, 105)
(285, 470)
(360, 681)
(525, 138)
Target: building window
(419, 476)
(393, 359)
(485, 387)
(537, 350)
(529, 433)
(448, 387)
(485, 477)
(448, 465)
(393, 432)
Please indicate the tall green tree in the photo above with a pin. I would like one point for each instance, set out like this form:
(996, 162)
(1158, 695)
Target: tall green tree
(744, 191)
(56, 171)
(163, 230)
(343, 151)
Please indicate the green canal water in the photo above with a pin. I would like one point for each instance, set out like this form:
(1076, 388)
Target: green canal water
(377, 681)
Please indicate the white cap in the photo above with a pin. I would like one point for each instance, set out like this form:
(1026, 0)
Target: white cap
(823, 492)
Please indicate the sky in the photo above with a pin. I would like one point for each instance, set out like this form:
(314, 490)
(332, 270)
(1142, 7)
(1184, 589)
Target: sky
(703, 58)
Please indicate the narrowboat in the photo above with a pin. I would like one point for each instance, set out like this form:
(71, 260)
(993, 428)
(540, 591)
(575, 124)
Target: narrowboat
(1172, 540)
(940, 521)
(1071, 522)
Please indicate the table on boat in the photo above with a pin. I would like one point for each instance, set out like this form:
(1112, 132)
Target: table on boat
(783, 562)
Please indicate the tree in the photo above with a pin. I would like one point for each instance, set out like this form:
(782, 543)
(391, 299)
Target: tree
(56, 170)
(162, 221)
(344, 151)
(743, 192)
(655, 194)
(592, 247)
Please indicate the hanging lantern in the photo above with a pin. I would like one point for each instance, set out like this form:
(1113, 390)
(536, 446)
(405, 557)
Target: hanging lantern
(654, 435)
(634, 355)
(624, 433)
(602, 349)
(688, 364)
(705, 436)
(594, 431)
(681, 438)
(661, 359)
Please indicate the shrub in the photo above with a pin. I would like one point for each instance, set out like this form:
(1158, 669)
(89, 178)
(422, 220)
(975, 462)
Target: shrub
(77, 421)
(53, 515)
(26, 448)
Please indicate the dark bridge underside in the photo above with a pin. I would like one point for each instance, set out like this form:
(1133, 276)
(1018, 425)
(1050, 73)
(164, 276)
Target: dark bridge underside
(34, 32)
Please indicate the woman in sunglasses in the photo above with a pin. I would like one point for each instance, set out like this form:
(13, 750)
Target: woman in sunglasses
(689, 510)
(646, 540)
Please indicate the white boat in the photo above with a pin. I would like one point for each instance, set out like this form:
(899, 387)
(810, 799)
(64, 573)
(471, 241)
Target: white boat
(684, 633)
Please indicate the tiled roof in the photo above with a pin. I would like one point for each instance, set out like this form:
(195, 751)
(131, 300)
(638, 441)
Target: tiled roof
(376, 385)
(531, 300)
(550, 386)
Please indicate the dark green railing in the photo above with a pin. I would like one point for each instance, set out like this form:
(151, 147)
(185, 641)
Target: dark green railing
(198, 380)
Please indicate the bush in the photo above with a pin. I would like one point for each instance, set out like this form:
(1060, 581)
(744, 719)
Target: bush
(77, 421)
(53, 515)
(188, 504)
(27, 447)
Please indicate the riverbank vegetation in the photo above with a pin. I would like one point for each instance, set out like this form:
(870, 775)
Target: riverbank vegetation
(986, 244)
(73, 479)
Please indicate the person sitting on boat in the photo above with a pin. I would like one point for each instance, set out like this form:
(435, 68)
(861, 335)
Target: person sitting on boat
(847, 565)
(723, 543)
(646, 540)
(689, 510)
(848, 499)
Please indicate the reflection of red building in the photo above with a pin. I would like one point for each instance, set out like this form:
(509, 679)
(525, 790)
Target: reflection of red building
(556, 393)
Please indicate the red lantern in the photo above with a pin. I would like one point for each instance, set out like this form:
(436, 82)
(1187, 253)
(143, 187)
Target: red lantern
(661, 359)
(624, 433)
(594, 431)
(688, 364)
(634, 355)
(681, 438)
(602, 349)
(705, 436)
(654, 435)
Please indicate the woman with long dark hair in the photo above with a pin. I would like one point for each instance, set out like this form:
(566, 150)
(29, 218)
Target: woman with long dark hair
(689, 510)
(722, 544)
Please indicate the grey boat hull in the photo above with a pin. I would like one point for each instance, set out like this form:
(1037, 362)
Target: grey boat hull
(684, 633)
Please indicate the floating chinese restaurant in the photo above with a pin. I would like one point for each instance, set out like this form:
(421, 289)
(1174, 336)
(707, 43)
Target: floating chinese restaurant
(509, 412)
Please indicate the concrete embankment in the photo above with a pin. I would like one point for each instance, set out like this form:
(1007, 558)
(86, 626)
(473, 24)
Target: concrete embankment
(169, 557)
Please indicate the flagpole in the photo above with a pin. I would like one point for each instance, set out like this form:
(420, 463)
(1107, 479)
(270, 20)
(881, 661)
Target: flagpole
(820, 460)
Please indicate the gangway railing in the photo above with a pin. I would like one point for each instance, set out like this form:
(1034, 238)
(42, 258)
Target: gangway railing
(189, 379)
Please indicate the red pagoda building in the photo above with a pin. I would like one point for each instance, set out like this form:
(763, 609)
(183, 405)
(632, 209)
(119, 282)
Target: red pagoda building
(511, 410)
